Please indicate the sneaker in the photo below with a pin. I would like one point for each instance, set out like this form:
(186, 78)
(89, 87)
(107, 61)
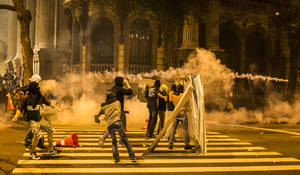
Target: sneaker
(117, 160)
(52, 152)
(133, 159)
(101, 141)
(188, 147)
(33, 156)
(170, 146)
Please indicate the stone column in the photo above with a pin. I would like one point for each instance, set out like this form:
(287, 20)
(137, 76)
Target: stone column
(12, 36)
(285, 53)
(121, 58)
(190, 33)
(31, 6)
(243, 55)
(62, 33)
(213, 22)
(160, 58)
(19, 57)
(44, 24)
(83, 59)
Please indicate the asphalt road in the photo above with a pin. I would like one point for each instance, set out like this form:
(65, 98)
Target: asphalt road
(281, 138)
(274, 140)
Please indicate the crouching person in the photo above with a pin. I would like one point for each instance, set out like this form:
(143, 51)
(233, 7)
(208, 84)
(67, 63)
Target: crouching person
(111, 109)
(31, 104)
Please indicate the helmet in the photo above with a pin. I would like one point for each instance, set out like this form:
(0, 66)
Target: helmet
(35, 78)
(163, 87)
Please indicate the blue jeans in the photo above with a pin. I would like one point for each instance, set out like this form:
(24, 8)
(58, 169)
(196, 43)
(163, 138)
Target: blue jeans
(118, 126)
(183, 119)
(123, 120)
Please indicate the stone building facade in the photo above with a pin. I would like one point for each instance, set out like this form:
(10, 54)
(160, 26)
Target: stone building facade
(92, 37)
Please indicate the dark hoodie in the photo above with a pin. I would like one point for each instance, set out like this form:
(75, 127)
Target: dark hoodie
(120, 91)
(31, 102)
(152, 97)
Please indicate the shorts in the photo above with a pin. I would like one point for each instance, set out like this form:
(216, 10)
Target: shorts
(42, 125)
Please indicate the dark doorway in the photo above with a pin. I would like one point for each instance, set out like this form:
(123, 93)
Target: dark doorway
(102, 38)
(230, 42)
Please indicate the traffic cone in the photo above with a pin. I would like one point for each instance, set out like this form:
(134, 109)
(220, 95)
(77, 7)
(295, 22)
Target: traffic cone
(10, 105)
(146, 124)
(68, 141)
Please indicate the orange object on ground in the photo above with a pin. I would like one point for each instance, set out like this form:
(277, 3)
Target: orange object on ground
(146, 124)
(68, 141)
(10, 105)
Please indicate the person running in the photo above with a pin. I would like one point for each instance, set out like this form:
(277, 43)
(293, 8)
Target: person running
(181, 117)
(111, 109)
(30, 106)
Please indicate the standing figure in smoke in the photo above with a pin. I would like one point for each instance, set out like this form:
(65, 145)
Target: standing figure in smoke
(162, 106)
(151, 95)
(3, 97)
(111, 109)
(120, 91)
(181, 117)
(31, 104)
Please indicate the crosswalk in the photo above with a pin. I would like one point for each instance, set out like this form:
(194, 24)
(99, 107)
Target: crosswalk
(224, 155)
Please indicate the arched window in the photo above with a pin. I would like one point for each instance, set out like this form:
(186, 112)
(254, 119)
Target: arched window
(256, 53)
(230, 42)
(102, 42)
(140, 38)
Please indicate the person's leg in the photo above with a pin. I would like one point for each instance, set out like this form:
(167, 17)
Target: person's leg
(28, 138)
(153, 123)
(122, 134)
(103, 138)
(35, 128)
(123, 120)
(161, 114)
(149, 122)
(172, 134)
(111, 129)
(47, 126)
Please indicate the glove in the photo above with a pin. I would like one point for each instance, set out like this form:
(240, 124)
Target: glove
(53, 106)
(96, 117)
(18, 112)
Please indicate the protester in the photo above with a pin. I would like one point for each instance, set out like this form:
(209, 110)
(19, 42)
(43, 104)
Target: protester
(30, 106)
(120, 92)
(181, 117)
(162, 106)
(151, 95)
(3, 97)
(111, 109)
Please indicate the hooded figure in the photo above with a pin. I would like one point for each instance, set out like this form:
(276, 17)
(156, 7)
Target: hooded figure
(30, 106)
(151, 94)
(111, 109)
(119, 91)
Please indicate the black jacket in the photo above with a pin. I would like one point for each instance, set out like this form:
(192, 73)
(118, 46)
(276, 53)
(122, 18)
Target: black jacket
(152, 97)
(120, 92)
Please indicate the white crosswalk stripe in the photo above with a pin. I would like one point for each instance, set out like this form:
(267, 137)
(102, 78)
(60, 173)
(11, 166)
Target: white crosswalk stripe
(224, 154)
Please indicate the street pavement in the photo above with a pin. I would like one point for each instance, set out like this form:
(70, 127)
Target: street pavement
(232, 149)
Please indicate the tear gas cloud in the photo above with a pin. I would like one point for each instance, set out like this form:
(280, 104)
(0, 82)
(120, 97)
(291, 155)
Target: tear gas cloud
(80, 96)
